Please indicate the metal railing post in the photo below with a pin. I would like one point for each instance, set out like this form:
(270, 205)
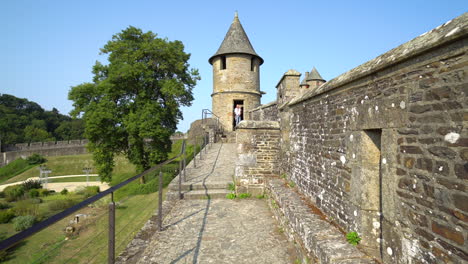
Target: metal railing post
(201, 149)
(111, 243)
(180, 179)
(195, 154)
(160, 193)
(185, 168)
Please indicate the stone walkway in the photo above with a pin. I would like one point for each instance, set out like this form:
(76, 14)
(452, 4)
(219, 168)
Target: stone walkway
(218, 230)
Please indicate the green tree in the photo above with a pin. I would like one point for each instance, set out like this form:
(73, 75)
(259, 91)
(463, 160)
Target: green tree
(67, 130)
(132, 105)
(25, 121)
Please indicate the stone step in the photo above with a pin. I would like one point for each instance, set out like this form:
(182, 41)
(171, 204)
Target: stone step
(200, 186)
(202, 194)
(199, 194)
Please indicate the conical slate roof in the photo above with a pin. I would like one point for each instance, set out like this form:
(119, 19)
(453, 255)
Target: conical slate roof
(236, 41)
(314, 75)
(304, 81)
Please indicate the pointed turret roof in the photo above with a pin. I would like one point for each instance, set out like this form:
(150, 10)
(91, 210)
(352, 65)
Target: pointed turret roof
(314, 75)
(304, 81)
(236, 41)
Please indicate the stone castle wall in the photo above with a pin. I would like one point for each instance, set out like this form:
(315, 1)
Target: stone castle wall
(383, 149)
(267, 112)
(257, 152)
(53, 148)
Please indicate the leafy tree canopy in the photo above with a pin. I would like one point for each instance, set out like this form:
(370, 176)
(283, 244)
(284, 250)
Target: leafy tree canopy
(132, 104)
(23, 121)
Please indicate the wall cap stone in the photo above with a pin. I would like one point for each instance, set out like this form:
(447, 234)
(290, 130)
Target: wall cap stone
(450, 31)
(252, 124)
(263, 106)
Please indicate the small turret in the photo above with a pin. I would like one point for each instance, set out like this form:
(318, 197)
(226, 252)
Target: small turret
(236, 76)
(313, 79)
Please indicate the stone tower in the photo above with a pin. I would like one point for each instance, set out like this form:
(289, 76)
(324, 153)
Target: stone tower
(236, 76)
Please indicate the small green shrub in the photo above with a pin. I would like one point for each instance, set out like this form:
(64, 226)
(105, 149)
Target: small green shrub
(283, 176)
(231, 196)
(4, 205)
(60, 205)
(32, 184)
(88, 191)
(33, 193)
(6, 215)
(231, 186)
(44, 192)
(36, 200)
(291, 184)
(260, 196)
(23, 222)
(14, 192)
(27, 207)
(36, 159)
(64, 191)
(2, 195)
(244, 195)
(353, 238)
(274, 204)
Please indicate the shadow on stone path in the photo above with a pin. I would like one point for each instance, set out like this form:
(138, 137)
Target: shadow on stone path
(218, 230)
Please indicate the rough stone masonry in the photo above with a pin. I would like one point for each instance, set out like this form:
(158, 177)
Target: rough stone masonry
(383, 149)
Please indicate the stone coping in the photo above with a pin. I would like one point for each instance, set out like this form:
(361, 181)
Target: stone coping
(252, 124)
(450, 31)
(263, 106)
(320, 239)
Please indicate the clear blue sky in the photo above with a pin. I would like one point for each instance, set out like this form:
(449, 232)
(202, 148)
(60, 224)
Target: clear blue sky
(48, 46)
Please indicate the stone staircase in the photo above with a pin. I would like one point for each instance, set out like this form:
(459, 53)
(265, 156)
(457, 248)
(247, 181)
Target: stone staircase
(229, 137)
(209, 179)
(194, 191)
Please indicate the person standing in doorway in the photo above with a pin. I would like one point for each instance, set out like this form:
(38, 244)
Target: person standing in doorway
(237, 114)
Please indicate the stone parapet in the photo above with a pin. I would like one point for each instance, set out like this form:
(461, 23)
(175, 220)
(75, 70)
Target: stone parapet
(257, 154)
(266, 112)
(318, 240)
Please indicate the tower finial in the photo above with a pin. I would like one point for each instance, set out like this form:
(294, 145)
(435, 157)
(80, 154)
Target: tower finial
(236, 15)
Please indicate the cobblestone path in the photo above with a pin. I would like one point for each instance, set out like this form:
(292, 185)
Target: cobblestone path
(218, 230)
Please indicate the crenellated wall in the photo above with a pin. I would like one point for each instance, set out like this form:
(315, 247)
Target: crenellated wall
(53, 148)
(383, 149)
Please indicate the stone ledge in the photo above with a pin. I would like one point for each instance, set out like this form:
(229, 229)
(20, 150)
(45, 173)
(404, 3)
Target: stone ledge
(251, 124)
(321, 240)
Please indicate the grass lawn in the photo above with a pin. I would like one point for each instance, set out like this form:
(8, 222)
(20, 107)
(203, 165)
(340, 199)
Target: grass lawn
(75, 179)
(14, 168)
(74, 164)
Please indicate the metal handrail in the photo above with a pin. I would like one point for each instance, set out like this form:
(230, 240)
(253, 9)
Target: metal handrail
(13, 240)
(219, 126)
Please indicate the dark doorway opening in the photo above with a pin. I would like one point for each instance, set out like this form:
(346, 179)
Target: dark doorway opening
(241, 104)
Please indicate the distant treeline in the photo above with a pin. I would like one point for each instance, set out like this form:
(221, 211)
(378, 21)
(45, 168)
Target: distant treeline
(23, 121)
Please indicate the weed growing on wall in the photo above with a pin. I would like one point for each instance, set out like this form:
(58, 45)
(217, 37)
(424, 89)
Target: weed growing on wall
(353, 238)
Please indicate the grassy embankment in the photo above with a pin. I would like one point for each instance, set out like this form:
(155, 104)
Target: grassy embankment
(137, 202)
